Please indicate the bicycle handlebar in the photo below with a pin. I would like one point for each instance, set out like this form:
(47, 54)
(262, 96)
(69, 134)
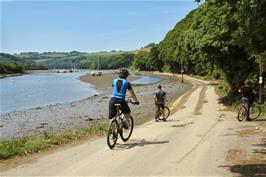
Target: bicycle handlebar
(132, 102)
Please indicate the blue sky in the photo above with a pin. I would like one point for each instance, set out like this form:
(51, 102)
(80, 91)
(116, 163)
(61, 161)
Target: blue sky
(87, 26)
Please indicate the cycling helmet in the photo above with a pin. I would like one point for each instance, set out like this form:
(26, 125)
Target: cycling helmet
(124, 71)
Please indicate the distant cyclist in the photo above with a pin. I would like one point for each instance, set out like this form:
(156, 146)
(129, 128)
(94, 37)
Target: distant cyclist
(120, 87)
(160, 97)
(248, 96)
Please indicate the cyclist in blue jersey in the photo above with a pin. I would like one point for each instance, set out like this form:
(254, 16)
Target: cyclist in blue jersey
(120, 87)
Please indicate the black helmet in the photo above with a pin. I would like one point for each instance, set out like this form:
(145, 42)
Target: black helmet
(124, 71)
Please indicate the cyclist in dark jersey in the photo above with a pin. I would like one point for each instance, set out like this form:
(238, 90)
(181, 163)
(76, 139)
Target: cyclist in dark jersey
(160, 97)
(248, 96)
(121, 85)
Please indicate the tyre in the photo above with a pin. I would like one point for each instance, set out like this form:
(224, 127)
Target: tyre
(112, 133)
(241, 113)
(254, 111)
(166, 113)
(127, 131)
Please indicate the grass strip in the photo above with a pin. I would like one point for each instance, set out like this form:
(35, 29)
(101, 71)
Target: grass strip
(27, 145)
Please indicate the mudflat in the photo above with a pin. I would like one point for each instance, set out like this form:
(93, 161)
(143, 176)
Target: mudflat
(103, 82)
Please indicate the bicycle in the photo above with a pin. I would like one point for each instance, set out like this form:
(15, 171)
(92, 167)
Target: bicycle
(254, 111)
(159, 115)
(117, 126)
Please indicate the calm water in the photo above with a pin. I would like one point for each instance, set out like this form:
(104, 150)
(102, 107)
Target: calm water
(30, 91)
(146, 80)
(35, 90)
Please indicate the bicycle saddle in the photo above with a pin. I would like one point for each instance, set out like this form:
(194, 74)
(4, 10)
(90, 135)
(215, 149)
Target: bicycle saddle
(117, 105)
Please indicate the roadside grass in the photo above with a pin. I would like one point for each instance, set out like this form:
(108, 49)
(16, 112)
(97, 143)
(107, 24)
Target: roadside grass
(28, 145)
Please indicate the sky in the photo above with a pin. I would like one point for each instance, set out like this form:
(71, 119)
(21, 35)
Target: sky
(87, 26)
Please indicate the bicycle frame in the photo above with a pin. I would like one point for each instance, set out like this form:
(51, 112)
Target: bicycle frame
(119, 117)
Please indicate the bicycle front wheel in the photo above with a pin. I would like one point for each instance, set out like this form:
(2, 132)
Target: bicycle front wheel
(242, 113)
(128, 129)
(166, 113)
(254, 112)
(112, 133)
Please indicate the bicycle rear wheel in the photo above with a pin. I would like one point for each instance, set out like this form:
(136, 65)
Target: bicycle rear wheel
(127, 131)
(254, 112)
(112, 133)
(241, 113)
(166, 113)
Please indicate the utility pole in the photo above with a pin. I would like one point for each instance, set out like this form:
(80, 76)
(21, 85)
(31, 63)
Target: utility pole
(261, 83)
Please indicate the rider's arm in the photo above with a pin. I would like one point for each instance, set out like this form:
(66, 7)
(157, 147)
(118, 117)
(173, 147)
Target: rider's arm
(132, 93)
(154, 97)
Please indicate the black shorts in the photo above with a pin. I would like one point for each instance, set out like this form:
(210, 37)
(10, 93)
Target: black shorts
(124, 107)
(161, 105)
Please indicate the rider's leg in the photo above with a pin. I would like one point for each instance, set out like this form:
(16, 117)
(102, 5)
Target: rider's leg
(126, 111)
(247, 105)
(127, 115)
(112, 110)
(163, 110)
(126, 120)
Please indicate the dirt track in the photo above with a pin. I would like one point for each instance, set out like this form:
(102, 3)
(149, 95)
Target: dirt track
(200, 139)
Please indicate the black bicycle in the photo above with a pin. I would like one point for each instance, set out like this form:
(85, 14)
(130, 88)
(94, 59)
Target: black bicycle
(119, 125)
(161, 114)
(254, 111)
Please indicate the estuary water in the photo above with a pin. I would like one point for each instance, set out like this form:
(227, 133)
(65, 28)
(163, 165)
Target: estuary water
(34, 90)
(41, 89)
(143, 80)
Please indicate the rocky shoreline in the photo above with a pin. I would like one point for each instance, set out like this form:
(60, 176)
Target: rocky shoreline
(59, 118)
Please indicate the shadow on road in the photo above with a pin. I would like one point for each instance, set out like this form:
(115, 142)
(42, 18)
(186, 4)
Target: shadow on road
(172, 120)
(248, 170)
(137, 142)
(260, 119)
(262, 149)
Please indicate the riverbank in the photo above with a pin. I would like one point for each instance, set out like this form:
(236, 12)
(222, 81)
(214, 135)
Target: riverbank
(10, 75)
(26, 72)
(61, 118)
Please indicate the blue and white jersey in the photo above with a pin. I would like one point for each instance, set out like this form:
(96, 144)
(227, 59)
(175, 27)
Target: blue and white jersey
(120, 88)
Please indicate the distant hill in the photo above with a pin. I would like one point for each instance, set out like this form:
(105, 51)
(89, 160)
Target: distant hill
(7, 58)
(10, 64)
(75, 59)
